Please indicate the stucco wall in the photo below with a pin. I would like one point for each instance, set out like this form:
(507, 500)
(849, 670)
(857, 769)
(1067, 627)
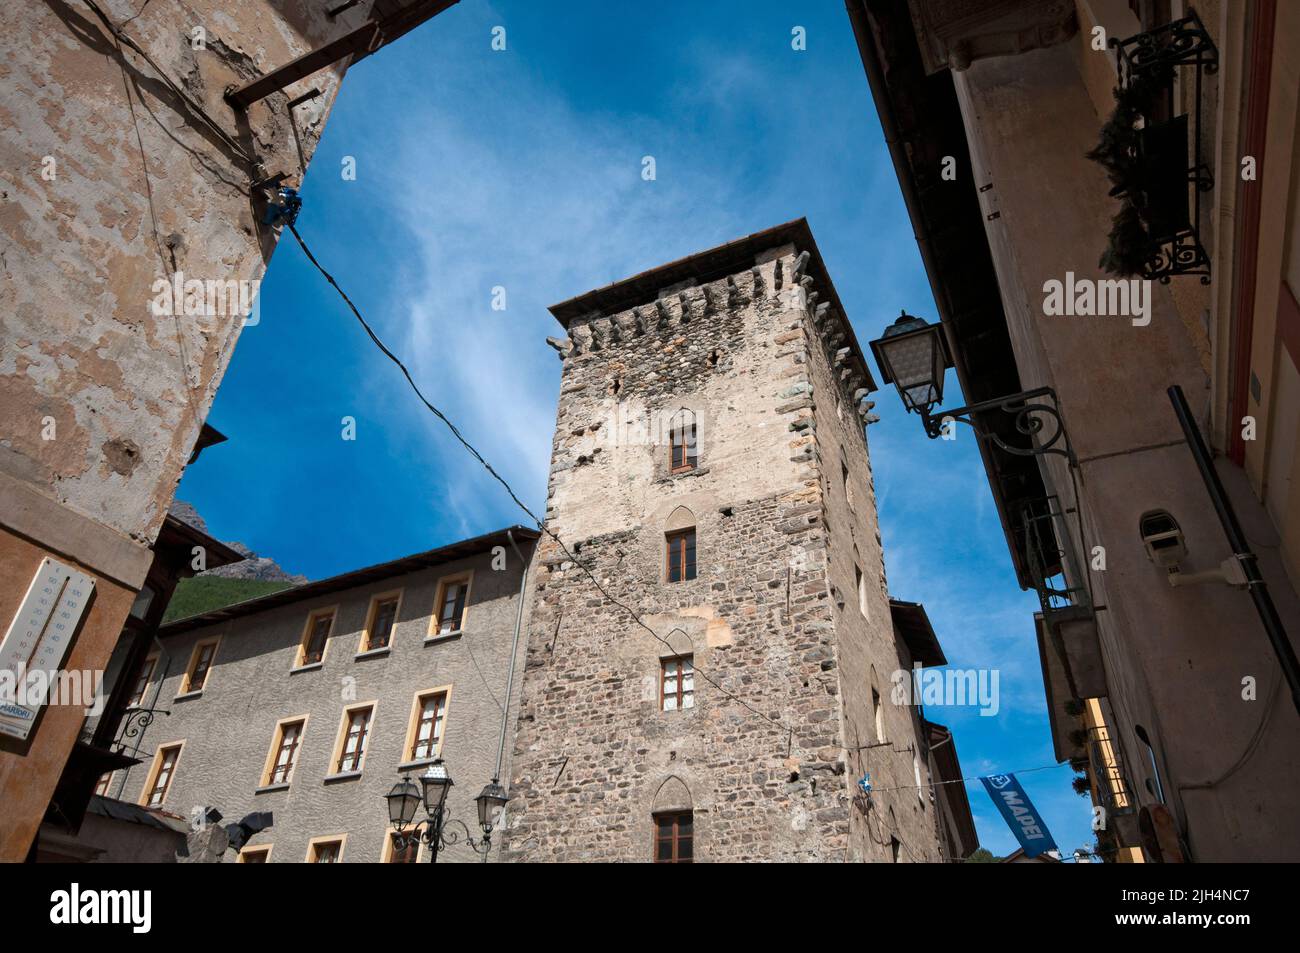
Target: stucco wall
(109, 182)
(1175, 658)
(228, 729)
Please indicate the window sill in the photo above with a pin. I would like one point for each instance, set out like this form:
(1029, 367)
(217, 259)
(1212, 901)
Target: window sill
(342, 776)
(268, 788)
(372, 653)
(669, 476)
(417, 763)
(309, 667)
(443, 636)
(186, 696)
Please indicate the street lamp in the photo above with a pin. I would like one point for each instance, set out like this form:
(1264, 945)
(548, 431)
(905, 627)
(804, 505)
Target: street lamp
(913, 355)
(435, 784)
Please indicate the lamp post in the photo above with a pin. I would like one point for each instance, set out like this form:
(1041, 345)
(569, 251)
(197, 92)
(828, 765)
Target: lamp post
(435, 784)
(913, 355)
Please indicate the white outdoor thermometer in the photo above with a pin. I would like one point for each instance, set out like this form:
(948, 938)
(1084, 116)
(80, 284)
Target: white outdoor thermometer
(39, 638)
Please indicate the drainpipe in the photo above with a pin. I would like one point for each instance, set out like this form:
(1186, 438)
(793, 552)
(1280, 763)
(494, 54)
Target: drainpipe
(1255, 583)
(164, 662)
(510, 671)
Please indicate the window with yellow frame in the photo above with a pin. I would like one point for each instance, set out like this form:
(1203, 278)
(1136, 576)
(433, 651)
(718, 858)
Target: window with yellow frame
(315, 637)
(450, 605)
(199, 669)
(381, 621)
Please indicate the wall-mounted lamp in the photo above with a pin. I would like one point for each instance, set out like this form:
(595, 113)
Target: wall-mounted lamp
(913, 355)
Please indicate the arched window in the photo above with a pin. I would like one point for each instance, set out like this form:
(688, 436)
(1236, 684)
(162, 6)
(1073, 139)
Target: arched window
(673, 823)
(677, 673)
(679, 543)
(683, 450)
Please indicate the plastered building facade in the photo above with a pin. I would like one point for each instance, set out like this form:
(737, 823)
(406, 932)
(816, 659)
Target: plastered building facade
(264, 677)
(785, 618)
(1187, 721)
(120, 164)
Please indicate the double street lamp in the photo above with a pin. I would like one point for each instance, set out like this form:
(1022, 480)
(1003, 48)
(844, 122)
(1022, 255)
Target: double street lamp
(405, 798)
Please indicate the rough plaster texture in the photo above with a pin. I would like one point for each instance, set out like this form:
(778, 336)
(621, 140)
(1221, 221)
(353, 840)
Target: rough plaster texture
(133, 198)
(1174, 658)
(108, 182)
(229, 728)
(772, 616)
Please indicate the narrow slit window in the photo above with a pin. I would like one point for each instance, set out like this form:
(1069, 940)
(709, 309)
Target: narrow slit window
(681, 555)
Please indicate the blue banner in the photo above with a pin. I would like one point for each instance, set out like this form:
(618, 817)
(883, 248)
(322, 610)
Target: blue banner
(1019, 813)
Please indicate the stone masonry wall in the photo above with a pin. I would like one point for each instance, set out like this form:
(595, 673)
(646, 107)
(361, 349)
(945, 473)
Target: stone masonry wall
(767, 775)
(868, 649)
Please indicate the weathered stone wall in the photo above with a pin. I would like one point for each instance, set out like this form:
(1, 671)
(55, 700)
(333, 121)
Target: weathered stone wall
(869, 652)
(229, 728)
(766, 775)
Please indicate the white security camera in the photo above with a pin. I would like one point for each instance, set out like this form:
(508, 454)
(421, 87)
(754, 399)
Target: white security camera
(1163, 538)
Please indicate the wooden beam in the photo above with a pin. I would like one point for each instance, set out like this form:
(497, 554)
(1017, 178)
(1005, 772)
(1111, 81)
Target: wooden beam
(357, 43)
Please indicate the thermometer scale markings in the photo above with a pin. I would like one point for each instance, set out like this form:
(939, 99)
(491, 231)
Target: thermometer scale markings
(40, 633)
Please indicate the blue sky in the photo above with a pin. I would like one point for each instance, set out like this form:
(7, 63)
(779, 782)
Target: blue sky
(477, 168)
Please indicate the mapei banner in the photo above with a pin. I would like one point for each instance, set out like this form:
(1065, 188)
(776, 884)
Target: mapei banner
(1020, 813)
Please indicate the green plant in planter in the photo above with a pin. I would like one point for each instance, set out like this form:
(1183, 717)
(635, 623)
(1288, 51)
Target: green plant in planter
(1081, 785)
(1079, 764)
(1074, 707)
(1129, 245)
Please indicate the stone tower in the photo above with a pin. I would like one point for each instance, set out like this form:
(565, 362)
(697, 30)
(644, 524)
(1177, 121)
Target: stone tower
(735, 722)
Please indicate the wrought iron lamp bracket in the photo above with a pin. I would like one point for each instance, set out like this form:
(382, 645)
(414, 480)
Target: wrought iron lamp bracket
(1025, 406)
(134, 723)
(433, 831)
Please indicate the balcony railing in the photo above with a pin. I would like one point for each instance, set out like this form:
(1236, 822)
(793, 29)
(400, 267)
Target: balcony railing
(1158, 166)
(1107, 765)
(1052, 560)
